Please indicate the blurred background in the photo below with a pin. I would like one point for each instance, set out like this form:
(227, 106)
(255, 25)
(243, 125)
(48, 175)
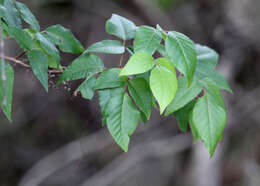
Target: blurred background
(56, 139)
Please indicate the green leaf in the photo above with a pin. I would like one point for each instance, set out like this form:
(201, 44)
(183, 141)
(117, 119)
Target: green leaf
(110, 79)
(122, 119)
(182, 52)
(108, 47)
(204, 72)
(9, 74)
(145, 76)
(27, 16)
(84, 66)
(67, 41)
(206, 55)
(161, 50)
(138, 63)
(32, 34)
(130, 50)
(39, 63)
(140, 92)
(147, 39)
(143, 117)
(2, 11)
(159, 28)
(164, 62)
(49, 48)
(104, 96)
(120, 27)
(22, 37)
(209, 117)
(130, 116)
(163, 83)
(194, 131)
(206, 62)
(87, 88)
(4, 28)
(11, 17)
(184, 95)
(183, 116)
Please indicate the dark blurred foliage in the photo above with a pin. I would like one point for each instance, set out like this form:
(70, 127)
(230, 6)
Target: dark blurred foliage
(56, 138)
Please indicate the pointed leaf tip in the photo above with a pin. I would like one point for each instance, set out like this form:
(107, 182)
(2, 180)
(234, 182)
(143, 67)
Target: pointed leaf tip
(163, 83)
(120, 27)
(209, 117)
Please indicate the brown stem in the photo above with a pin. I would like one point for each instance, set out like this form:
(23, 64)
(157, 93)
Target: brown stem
(14, 60)
(55, 71)
(20, 55)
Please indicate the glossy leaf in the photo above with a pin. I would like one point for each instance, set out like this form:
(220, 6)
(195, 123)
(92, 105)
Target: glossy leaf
(2, 11)
(145, 76)
(130, 116)
(110, 79)
(120, 27)
(143, 118)
(130, 50)
(140, 92)
(206, 55)
(122, 119)
(194, 131)
(108, 47)
(87, 88)
(138, 63)
(49, 48)
(22, 37)
(147, 39)
(204, 72)
(159, 28)
(104, 96)
(11, 17)
(32, 34)
(163, 83)
(182, 52)
(67, 41)
(27, 16)
(161, 50)
(83, 67)
(206, 62)
(184, 95)
(183, 116)
(39, 63)
(209, 117)
(7, 107)
(164, 62)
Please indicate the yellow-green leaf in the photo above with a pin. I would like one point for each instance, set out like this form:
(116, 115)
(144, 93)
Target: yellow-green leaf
(163, 83)
(138, 63)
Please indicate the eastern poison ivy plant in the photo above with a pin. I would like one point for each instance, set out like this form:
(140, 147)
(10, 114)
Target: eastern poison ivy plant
(183, 80)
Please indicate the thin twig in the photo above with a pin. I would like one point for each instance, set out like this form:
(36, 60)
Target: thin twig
(20, 55)
(16, 61)
(55, 71)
